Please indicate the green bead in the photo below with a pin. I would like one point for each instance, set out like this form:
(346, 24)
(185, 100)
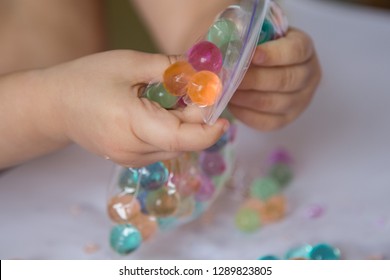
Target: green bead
(281, 173)
(324, 252)
(267, 32)
(264, 188)
(124, 239)
(222, 32)
(247, 220)
(158, 93)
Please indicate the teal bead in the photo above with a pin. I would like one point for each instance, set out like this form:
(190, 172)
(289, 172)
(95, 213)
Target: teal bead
(264, 188)
(282, 173)
(324, 252)
(267, 32)
(128, 180)
(299, 252)
(153, 176)
(222, 32)
(247, 220)
(268, 258)
(158, 93)
(125, 238)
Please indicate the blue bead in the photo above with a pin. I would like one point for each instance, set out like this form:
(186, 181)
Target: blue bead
(153, 176)
(299, 252)
(219, 144)
(124, 239)
(268, 257)
(324, 252)
(141, 196)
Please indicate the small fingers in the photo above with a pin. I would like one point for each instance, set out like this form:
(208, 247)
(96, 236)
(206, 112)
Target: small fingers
(295, 48)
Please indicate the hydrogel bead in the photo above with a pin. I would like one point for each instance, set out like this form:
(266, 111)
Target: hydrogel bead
(222, 32)
(212, 164)
(204, 88)
(167, 223)
(124, 239)
(267, 32)
(147, 225)
(141, 197)
(153, 176)
(268, 258)
(128, 180)
(205, 56)
(220, 143)
(186, 207)
(264, 188)
(123, 207)
(280, 156)
(177, 76)
(299, 252)
(157, 93)
(186, 185)
(206, 191)
(231, 53)
(282, 174)
(162, 202)
(247, 220)
(324, 252)
(273, 209)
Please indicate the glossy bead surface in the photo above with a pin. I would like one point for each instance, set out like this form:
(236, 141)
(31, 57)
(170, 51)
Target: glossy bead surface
(141, 197)
(186, 185)
(146, 225)
(177, 76)
(128, 180)
(206, 191)
(222, 32)
(281, 173)
(205, 56)
(124, 239)
(204, 88)
(268, 258)
(264, 188)
(153, 176)
(299, 252)
(267, 32)
(247, 220)
(162, 202)
(157, 93)
(213, 164)
(123, 207)
(167, 223)
(324, 252)
(273, 209)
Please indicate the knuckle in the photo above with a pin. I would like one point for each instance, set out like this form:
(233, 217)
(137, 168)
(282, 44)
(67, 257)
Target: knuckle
(287, 80)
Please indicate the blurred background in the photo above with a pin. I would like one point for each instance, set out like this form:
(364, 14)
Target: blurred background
(55, 207)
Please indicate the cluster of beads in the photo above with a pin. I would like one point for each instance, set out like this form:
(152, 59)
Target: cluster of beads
(265, 203)
(163, 194)
(321, 251)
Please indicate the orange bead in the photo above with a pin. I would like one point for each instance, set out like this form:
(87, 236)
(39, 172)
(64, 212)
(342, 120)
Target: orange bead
(204, 88)
(176, 77)
(273, 209)
(147, 225)
(122, 208)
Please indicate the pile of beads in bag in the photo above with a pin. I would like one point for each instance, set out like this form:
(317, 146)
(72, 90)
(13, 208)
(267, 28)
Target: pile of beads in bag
(266, 203)
(169, 193)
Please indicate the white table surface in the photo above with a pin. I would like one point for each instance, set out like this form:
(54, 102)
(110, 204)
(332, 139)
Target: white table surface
(53, 207)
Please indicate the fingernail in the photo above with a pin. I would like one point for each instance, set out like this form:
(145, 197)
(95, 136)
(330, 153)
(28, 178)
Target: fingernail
(259, 56)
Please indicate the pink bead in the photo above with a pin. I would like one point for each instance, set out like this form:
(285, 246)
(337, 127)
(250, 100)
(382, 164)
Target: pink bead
(206, 191)
(212, 164)
(315, 211)
(280, 156)
(205, 56)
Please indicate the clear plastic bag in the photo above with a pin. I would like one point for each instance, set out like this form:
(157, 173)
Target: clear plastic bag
(169, 193)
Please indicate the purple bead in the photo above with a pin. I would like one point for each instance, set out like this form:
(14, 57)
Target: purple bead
(212, 164)
(232, 132)
(205, 56)
(206, 191)
(219, 144)
(280, 156)
(315, 211)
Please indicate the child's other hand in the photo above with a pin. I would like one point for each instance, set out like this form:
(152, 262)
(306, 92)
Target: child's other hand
(96, 99)
(279, 84)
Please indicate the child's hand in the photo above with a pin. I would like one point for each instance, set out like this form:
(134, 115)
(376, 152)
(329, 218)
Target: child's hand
(279, 84)
(96, 99)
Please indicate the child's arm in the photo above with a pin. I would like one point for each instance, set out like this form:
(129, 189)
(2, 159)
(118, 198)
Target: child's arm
(93, 101)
